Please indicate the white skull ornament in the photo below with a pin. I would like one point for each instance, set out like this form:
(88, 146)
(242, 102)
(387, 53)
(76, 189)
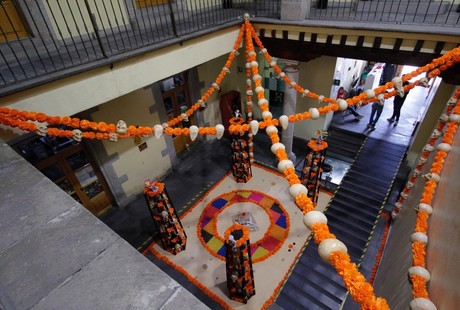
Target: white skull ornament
(424, 81)
(122, 128)
(113, 137)
(41, 130)
(381, 99)
(246, 16)
(436, 134)
(77, 135)
(428, 148)
(444, 118)
(184, 117)
(421, 161)
(404, 195)
(432, 177)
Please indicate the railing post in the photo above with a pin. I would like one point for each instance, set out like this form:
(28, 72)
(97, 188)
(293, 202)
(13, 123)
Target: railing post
(173, 20)
(96, 29)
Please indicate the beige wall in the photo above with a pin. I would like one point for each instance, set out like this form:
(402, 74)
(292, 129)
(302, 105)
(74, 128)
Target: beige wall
(138, 166)
(65, 97)
(320, 82)
(436, 100)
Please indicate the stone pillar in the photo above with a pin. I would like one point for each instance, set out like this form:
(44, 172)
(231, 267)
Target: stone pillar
(291, 68)
(295, 9)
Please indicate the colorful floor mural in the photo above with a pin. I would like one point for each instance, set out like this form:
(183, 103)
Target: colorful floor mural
(276, 240)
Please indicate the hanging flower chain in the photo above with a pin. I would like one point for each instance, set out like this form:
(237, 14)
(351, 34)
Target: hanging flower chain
(419, 276)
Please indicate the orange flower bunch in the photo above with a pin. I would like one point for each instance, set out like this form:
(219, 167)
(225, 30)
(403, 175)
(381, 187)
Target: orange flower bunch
(274, 137)
(317, 145)
(418, 253)
(236, 227)
(291, 176)
(421, 222)
(361, 291)
(419, 287)
(23, 125)
(304, 203)
(321, 232)
(152, 189)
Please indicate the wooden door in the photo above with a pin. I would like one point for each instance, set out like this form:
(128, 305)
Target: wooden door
(11, 25)
(176, 102)
(73, 171)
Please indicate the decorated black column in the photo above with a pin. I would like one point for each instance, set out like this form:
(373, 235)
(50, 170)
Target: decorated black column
(313, 167)
(241, 167)
(167, 223)
(238, 263)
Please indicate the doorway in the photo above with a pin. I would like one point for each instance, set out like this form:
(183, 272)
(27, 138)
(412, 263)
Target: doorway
(176, 101)
(11, 25)
(71, 168)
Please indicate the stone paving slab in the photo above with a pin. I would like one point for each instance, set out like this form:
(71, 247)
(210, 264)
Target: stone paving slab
(120, 278)
(25, 203)
(52, 253)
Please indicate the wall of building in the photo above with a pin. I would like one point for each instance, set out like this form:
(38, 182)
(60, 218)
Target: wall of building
(129, 165)
(436, 100)
(315, 75)
(391, 281)
(65, 97)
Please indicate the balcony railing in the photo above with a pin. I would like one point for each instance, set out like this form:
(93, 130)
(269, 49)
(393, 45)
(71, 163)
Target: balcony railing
(43, 40)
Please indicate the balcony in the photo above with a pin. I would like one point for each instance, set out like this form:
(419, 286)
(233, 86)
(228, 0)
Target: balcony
(47, 40)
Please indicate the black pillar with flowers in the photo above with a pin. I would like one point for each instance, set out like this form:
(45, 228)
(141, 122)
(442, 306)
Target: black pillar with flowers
(241, 167)
(238, 263)
(172, 233)
(313, 168)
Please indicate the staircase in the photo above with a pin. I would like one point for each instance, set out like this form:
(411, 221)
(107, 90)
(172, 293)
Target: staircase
(352, 214)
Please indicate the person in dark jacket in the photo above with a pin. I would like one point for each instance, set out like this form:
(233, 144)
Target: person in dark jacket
(397, 105)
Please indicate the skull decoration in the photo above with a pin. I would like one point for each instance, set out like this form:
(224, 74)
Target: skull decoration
(164, 216)
(436, 133)
(398, 83)
(452, 101)
(444, 118)
(178, 248)
(424, 207)
(113, 137)
(305, 93)
(428, 148)
(220, 129)
(292, 84)
(122, 128)
(409, 185)
(77, 135)
(41, 130)
(424, 81)
(432, 177)
(404, 195)
(416, 172)
(184, 117)
(216, 86)
(421, 161)
(398, 205)
(246, 16)
(202, 104)
(226, 70)
(381, 98)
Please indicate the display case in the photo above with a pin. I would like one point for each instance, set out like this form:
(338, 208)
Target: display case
(172, 234)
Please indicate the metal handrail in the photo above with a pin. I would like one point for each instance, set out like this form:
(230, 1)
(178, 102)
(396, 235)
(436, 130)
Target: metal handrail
(45, 40)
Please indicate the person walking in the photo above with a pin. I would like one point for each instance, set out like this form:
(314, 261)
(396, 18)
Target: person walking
(377, 108)
(397, 105)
